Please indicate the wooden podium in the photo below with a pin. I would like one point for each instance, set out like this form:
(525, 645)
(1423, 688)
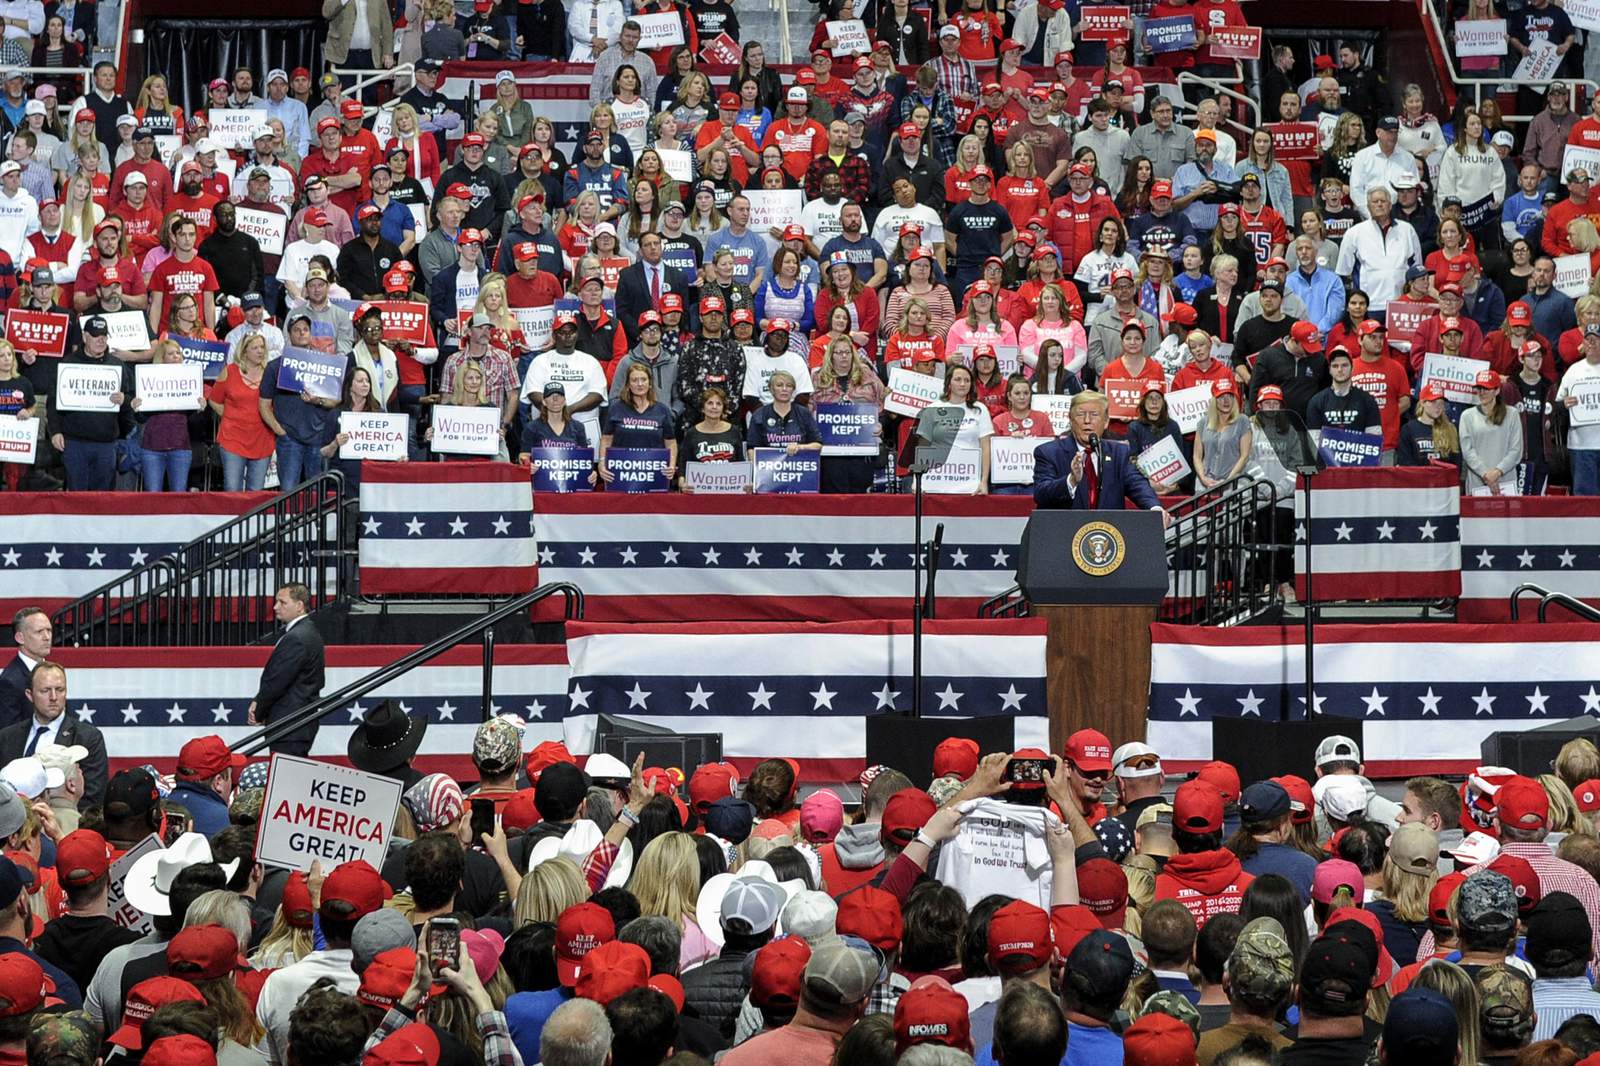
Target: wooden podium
(1098, 579)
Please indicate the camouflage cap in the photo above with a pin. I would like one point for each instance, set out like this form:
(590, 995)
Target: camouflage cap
(497, 746)
(1505, 1004)
(1262, 963)
(1175, 1005)
(1487, 901)
(246, 806)
(68, 1037)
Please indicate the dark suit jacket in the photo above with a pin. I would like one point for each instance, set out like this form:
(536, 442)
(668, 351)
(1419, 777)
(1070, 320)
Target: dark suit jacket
(1052, 465)
(74, 730)
(633, 294)
(14, 681)
(292, 678)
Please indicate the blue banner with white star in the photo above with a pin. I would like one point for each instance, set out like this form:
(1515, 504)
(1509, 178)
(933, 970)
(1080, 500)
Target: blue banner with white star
(1427, 694)
(803, 691)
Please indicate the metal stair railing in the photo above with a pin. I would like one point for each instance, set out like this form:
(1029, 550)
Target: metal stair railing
(218, 589)
(484, 624)
(1547, 599)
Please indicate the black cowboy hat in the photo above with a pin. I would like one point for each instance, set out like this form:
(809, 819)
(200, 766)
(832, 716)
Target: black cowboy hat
(387, 738)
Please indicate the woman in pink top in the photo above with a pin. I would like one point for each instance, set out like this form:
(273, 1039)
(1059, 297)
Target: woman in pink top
(666, 882)
(1051, 322)
(982, 323)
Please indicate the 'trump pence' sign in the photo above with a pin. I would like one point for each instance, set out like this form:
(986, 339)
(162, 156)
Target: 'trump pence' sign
(316, 810)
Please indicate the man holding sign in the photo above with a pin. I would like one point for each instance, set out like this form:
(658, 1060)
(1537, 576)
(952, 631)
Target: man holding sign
(89, 410)
(1084, 471)
(1580, 393)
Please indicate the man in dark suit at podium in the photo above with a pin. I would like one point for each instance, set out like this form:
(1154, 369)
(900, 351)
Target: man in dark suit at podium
(293, 676)
(34, 636)
(1068, 472)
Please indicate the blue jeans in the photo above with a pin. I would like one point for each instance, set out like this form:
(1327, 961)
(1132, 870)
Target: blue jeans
(91, 465)
(239, 473)
(170, 468)
(297, 462)
(1585, 471)
(408, 400)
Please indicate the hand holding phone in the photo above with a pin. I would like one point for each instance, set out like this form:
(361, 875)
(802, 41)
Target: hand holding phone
(444, 943)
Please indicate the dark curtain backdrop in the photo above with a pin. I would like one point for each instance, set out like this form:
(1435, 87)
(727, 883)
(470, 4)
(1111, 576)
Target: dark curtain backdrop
(193, 51)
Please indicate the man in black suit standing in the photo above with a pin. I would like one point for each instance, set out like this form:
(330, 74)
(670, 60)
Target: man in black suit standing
(50, 722)
(641, 285)
(293, 676)
(31, 630)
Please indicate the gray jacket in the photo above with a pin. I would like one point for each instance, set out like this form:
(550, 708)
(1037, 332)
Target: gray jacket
(1105, 337)
(1166, 151)
(663, 374)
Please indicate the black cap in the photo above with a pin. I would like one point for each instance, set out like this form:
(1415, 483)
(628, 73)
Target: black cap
(96, 327)
(1389, 122)
(552, 388)
(561, 788)
(1558, 931)
(13, 879)
(1272, 284)
(130, 794)
(1338, 970)
(1250, 175)
(731, 818)
(144, 133)
(433, 66)
(1263, 801)
(1100, 967)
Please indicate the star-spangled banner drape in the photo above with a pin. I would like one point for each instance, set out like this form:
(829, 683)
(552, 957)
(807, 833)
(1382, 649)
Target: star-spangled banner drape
(803, 691)
(1379, 533)
(446, 527)
(1427, 694)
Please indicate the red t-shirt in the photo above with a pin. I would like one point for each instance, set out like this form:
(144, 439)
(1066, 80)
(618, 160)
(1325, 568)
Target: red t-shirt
(798, 146)
(1032, 424)
(89, 277)
(318, 163)
(1190, 375)
(980, 34)
(1385, 381)
(711, 131)
(173, 278)
(198, 208)
(901, 349)
(142, 228)
(1213, 14)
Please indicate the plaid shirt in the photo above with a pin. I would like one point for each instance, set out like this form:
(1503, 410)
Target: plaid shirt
(957, 78)
(499, 374)
(944, 115)
(498, 1050)
(1559, 875)
(855, 175)
(885, 996)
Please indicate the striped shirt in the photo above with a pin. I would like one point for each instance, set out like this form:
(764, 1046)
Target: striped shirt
(1555, 999)
(1559, 875)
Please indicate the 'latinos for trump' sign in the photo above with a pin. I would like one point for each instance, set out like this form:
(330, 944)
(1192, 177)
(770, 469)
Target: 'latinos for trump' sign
(1163, 462)
(1453, 373)
(318, 811)
(19, 439)
(910, 392)
(377, 435)
(306, 370)
(42, 332)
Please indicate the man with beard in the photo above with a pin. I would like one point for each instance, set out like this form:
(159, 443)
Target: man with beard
(364, 260)
(109, 252)
(193, 201)
(396, 224)
(234, 255)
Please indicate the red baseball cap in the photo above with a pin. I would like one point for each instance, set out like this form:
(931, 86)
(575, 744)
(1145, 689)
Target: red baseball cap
(525, 252)
(315, 217)
(297, 908)
(519, 812)
(1070, 923)
(778, 972)
(205, 757)
(1020, 928)
(651, 317)
(1522, 803)
(1486, 379)
(203, 953)
(1432, 391)
(458, 191)
(982, 171)
(742, 314)
(547, 753)
(1520, 313)
(1524, 880)
(908, 130)
(1302, 802)
(388, 976)
(580, 930)
(610, 970)
(357, 884)
(728, 101)
(82, 858)
(1370, 326)
(873, 915)
(1103, 888)
(410, 1045)
(474, 140)
(184, 1049)
(1158, 1040)
(906, 812)
(84, 115)
(1221, 774)
(1269, 392)
(1182, 314)
(327, 123)
(1197, 807)
(931, 1012)
(1160, 188)
(712, 304)
(143, 999)
(1439, 897)
(670, 302)
(1089, 749)
(711, 781)
(396, 281)
(1449, 324)
(1307, 336)
(955, 757)
(366, 211)
(794, 232)
(1587, 793)
(351, 109)
(805, 76)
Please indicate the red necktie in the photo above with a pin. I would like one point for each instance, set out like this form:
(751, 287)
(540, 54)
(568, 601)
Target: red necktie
(1092, 478)
(655, 285)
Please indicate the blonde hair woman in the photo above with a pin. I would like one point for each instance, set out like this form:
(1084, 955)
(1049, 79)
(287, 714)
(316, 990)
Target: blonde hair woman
(1578, 761)
(666, 882)
(1410, 870)
(492, 302)
(1222, 447)
(513, 114)
(548, 889)
(422, 151)
(1565, 817)
(1022, 192)
(79, 212)
(958, 176)
(1455, 984)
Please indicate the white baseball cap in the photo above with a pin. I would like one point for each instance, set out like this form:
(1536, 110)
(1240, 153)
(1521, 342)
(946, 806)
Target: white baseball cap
(1338, 749)
(1131, 751)
(30, 777)
(1475, 849)
(1342, 795)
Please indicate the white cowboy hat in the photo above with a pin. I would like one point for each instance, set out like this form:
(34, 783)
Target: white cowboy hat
(708, 906)
(149, 883)
(579, 841)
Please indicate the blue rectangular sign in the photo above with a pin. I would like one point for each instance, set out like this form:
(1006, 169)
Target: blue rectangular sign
(638, 469)
(1172, 34)
(211, 355)
(778, 471)
(848, 428)
(1346, 447)
(305, 370)
(562, 469)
